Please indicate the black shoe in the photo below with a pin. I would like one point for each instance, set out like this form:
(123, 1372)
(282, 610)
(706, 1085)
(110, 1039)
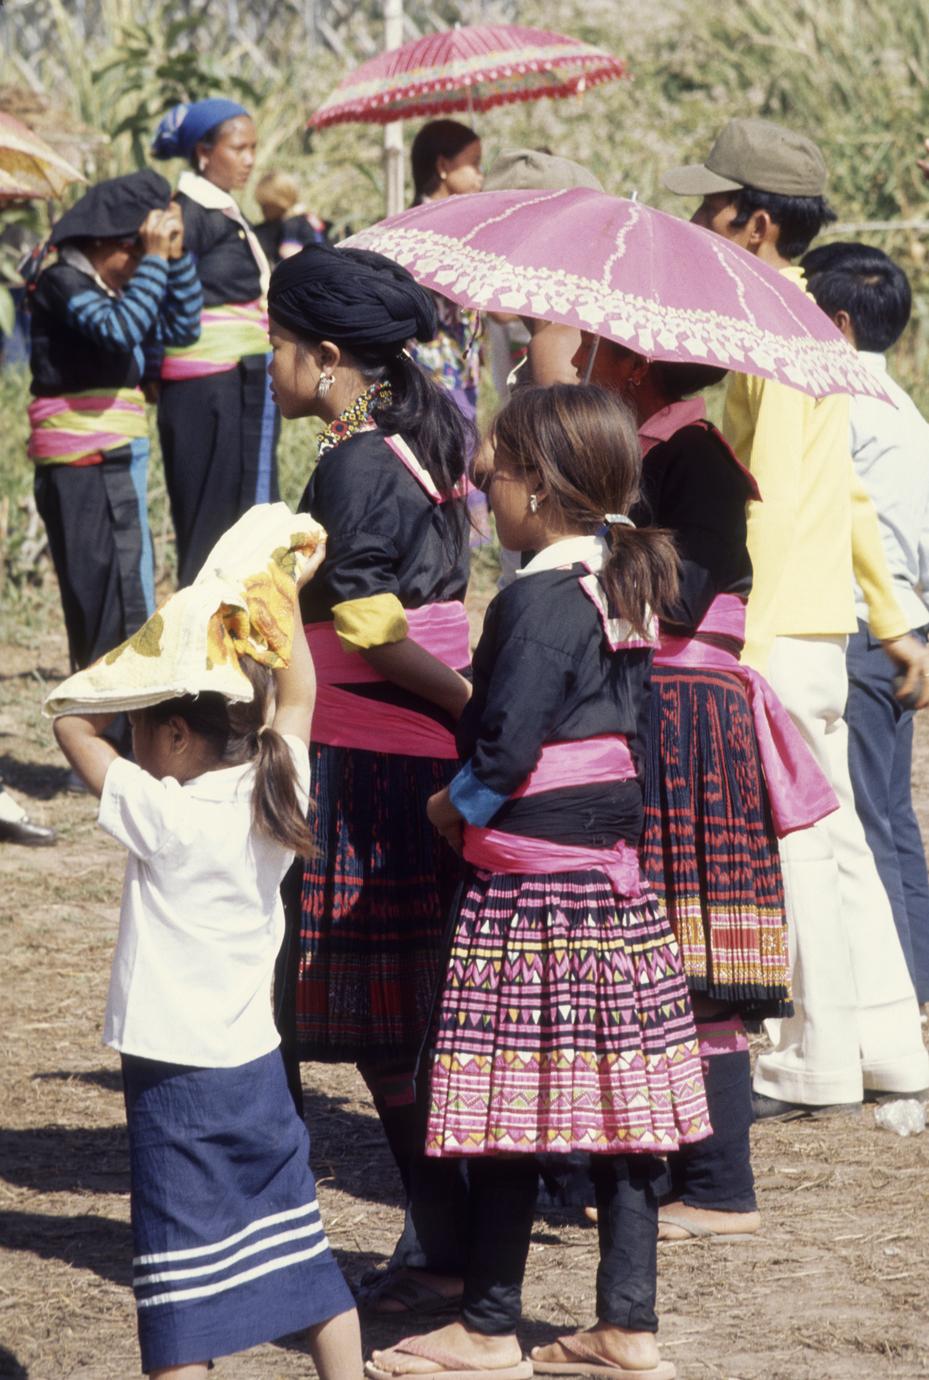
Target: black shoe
(773, 1109)
(28, 834)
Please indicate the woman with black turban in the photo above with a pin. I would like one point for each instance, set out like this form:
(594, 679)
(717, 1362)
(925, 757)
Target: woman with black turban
(216, 421)
(389, 635)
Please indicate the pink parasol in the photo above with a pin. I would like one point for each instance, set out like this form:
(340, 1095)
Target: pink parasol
(658, 285)
(466, 69)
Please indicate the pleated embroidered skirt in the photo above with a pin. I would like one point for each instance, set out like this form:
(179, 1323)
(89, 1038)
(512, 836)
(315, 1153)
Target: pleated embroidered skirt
(229, 1249)
(709, 847)
(374, 905)
(564, 1024)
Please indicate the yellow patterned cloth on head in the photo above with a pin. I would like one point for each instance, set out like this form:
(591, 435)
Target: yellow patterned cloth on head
(241, 603)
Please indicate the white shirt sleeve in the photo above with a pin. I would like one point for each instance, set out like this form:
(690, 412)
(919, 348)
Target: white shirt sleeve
(140, 812)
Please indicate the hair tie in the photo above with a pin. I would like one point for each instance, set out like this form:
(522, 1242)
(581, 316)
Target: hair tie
(617, 519)
(262, 731)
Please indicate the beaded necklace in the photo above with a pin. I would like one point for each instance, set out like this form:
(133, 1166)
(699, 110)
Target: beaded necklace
(356, 417)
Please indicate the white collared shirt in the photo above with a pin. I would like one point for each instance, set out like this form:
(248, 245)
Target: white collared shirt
(201, 919)
(890, 450)
(591, 551)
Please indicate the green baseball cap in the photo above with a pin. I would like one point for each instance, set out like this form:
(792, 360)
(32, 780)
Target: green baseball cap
(528, 170)
(754, 153)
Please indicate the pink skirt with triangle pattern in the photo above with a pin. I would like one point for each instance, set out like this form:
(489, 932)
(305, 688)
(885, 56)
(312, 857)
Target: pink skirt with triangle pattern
(564, 1024)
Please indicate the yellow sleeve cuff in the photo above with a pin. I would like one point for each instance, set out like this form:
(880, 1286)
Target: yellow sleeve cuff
(370, 622)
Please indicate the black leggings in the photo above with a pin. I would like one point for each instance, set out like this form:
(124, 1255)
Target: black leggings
(501, 1207)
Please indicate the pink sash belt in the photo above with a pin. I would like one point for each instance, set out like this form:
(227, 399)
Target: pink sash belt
(798, 791)
(585, 762)
(342, 719)
(491, 850)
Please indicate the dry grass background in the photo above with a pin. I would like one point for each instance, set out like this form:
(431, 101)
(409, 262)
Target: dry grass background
(834, 1289)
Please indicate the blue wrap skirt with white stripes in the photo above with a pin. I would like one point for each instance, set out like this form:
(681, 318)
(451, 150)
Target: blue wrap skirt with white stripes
(229, 1249)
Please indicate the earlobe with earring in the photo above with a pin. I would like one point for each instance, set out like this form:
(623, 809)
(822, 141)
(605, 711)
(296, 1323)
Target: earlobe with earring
(533, 504)
(201, 165)
(323, 385)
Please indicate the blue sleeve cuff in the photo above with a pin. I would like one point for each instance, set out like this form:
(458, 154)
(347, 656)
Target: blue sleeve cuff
(471, 798)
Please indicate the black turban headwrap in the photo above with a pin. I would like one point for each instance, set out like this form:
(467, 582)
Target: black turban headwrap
(353, 297)
(114, 209)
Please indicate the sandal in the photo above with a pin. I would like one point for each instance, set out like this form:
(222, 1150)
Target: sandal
(447, 1367)
(414, 1296)
(589, 1363)
(696, 1231)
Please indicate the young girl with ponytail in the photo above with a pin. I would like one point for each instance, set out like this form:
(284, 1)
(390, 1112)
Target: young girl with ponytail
(229, 1249)
(563, 1022)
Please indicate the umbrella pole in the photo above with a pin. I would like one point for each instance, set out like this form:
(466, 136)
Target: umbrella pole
(393, 133)
(591, 359)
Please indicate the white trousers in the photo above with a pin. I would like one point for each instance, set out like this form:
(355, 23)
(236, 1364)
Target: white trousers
(856, 1023)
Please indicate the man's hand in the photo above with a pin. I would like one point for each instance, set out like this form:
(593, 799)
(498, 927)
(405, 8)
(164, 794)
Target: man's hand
(913, 660)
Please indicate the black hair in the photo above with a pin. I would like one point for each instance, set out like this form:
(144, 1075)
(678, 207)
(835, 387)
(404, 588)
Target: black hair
(866, 283)
(238, 732)
(420, 410)
(678, 381)
(584, 445)
(438, 139)
(799, 219)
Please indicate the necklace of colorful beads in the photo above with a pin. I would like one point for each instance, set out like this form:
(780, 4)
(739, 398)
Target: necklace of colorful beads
(356, 417)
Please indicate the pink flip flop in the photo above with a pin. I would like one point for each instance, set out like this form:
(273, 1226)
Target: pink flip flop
(447, 1366)
(588, 1363)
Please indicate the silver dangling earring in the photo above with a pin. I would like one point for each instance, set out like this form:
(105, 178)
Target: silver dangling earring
(202, 165)
(325, 383)
(533, 504)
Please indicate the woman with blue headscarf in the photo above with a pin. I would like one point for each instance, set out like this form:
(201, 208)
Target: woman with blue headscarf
(217, 423)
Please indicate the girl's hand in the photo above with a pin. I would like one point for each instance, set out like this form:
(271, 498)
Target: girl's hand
(156, 233)
(312, 565)
(445, 819)
(174, 224)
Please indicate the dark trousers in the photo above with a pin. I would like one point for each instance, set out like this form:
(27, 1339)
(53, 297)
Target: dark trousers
(218, 442)
(880, 759)
(717, 1172)
(101, 549)
(501, 1208)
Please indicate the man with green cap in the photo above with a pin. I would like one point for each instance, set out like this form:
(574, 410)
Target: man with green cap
(856, 1028)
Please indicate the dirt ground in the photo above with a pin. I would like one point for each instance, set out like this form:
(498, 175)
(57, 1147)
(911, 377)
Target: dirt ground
(836, 1287)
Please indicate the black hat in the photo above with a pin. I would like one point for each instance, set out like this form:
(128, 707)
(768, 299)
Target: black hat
(352, 297)
(114, 209)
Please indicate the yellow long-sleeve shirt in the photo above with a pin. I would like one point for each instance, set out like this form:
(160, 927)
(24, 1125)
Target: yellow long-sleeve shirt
(815, 525)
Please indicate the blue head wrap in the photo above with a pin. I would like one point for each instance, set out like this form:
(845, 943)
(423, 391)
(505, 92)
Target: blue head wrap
(185, 125)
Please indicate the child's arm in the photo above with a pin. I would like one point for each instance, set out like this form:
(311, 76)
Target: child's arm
(295, 685)
(80, 737)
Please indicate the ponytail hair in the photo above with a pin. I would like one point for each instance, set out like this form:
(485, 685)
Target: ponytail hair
(239, 733)
(420, 410)
(583, 444)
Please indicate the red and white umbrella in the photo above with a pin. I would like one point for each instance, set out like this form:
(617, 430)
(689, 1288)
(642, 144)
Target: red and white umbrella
(466, 69)
(658, 285)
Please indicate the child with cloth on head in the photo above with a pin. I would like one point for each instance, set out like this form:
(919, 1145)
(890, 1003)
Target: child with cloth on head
(563, 1023)
(229, 1247)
